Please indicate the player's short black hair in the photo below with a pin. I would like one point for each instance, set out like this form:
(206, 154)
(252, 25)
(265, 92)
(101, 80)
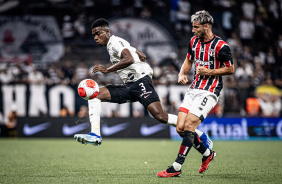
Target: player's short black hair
(100, 22)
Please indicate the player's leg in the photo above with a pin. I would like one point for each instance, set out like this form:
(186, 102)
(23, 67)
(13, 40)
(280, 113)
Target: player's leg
(144, 92)
(189, 117)
(205, 102)
(155, 108)
(158, 113)
(204, 138)
(110, 93)
(190, 122)
(95, 109)
(151, 101)
(94, 106)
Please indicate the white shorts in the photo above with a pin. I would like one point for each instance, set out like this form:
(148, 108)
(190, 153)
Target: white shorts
(198, 102)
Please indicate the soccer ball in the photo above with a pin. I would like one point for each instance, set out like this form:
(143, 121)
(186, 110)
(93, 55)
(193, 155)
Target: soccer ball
(88, 89)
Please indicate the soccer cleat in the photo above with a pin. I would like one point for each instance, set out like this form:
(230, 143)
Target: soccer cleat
(206, 141)
(206, 161)
(169, 172)
(90, 138)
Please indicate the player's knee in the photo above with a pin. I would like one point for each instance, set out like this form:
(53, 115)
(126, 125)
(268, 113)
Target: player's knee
(179, 130)
(191, 126)
(192, 123)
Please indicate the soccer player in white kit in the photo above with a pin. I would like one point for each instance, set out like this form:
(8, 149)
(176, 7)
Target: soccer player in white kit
(136, 74)
(212, 59)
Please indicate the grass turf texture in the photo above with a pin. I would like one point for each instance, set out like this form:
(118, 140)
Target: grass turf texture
(135, 161)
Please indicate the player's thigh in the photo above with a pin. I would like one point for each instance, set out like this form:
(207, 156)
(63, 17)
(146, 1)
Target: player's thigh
(104, 94)
(117, 93)
(202, 105)
(187, 102)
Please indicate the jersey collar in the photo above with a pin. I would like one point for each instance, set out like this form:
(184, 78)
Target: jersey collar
(209, 40)
(110, 40)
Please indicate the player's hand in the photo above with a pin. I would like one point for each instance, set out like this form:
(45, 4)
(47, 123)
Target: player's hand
(142, 58)
(201, 70)
(141, 55)
(99, 68)
(182, 79)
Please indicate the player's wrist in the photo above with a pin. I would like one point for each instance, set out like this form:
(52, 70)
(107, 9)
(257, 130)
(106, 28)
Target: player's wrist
(181, 74)
(210, 72)
(108, 70)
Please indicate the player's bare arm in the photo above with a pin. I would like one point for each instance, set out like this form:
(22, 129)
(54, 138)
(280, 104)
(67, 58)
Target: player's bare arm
(141, 55)
(99, 68)
(126, 60)
(186, 67)
(201, 70)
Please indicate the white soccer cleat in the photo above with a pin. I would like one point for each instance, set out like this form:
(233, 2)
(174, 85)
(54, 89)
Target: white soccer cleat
(90, 138)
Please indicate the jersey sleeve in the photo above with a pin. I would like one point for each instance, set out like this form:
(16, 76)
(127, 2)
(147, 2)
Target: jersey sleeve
(190, 54)
(225, 56)
(118, 45)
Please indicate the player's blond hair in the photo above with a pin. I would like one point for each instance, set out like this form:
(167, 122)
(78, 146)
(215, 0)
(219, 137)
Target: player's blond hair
(203, 17)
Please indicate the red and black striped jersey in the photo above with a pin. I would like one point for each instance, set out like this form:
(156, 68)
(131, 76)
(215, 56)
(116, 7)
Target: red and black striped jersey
(212, 54)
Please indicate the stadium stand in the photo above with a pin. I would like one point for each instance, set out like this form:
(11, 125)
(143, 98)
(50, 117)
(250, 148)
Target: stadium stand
(251, 28)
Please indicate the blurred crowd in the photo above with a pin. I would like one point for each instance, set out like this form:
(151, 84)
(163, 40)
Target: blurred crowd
(252, 28)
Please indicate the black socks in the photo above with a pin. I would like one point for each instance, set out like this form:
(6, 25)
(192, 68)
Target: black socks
(187, 143)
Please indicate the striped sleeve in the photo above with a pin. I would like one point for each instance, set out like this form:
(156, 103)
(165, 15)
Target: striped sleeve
(190, 54)
(225, 56)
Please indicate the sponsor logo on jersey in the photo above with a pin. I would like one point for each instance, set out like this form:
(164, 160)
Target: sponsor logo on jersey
(204, 63)
(211, 52)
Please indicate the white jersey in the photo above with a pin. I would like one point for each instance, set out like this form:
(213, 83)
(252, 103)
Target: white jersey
(133, 72)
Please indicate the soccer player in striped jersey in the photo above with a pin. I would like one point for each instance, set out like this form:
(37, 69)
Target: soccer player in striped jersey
(212, 59)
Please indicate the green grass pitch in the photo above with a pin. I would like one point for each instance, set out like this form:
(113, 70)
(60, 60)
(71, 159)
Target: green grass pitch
(135, 161)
